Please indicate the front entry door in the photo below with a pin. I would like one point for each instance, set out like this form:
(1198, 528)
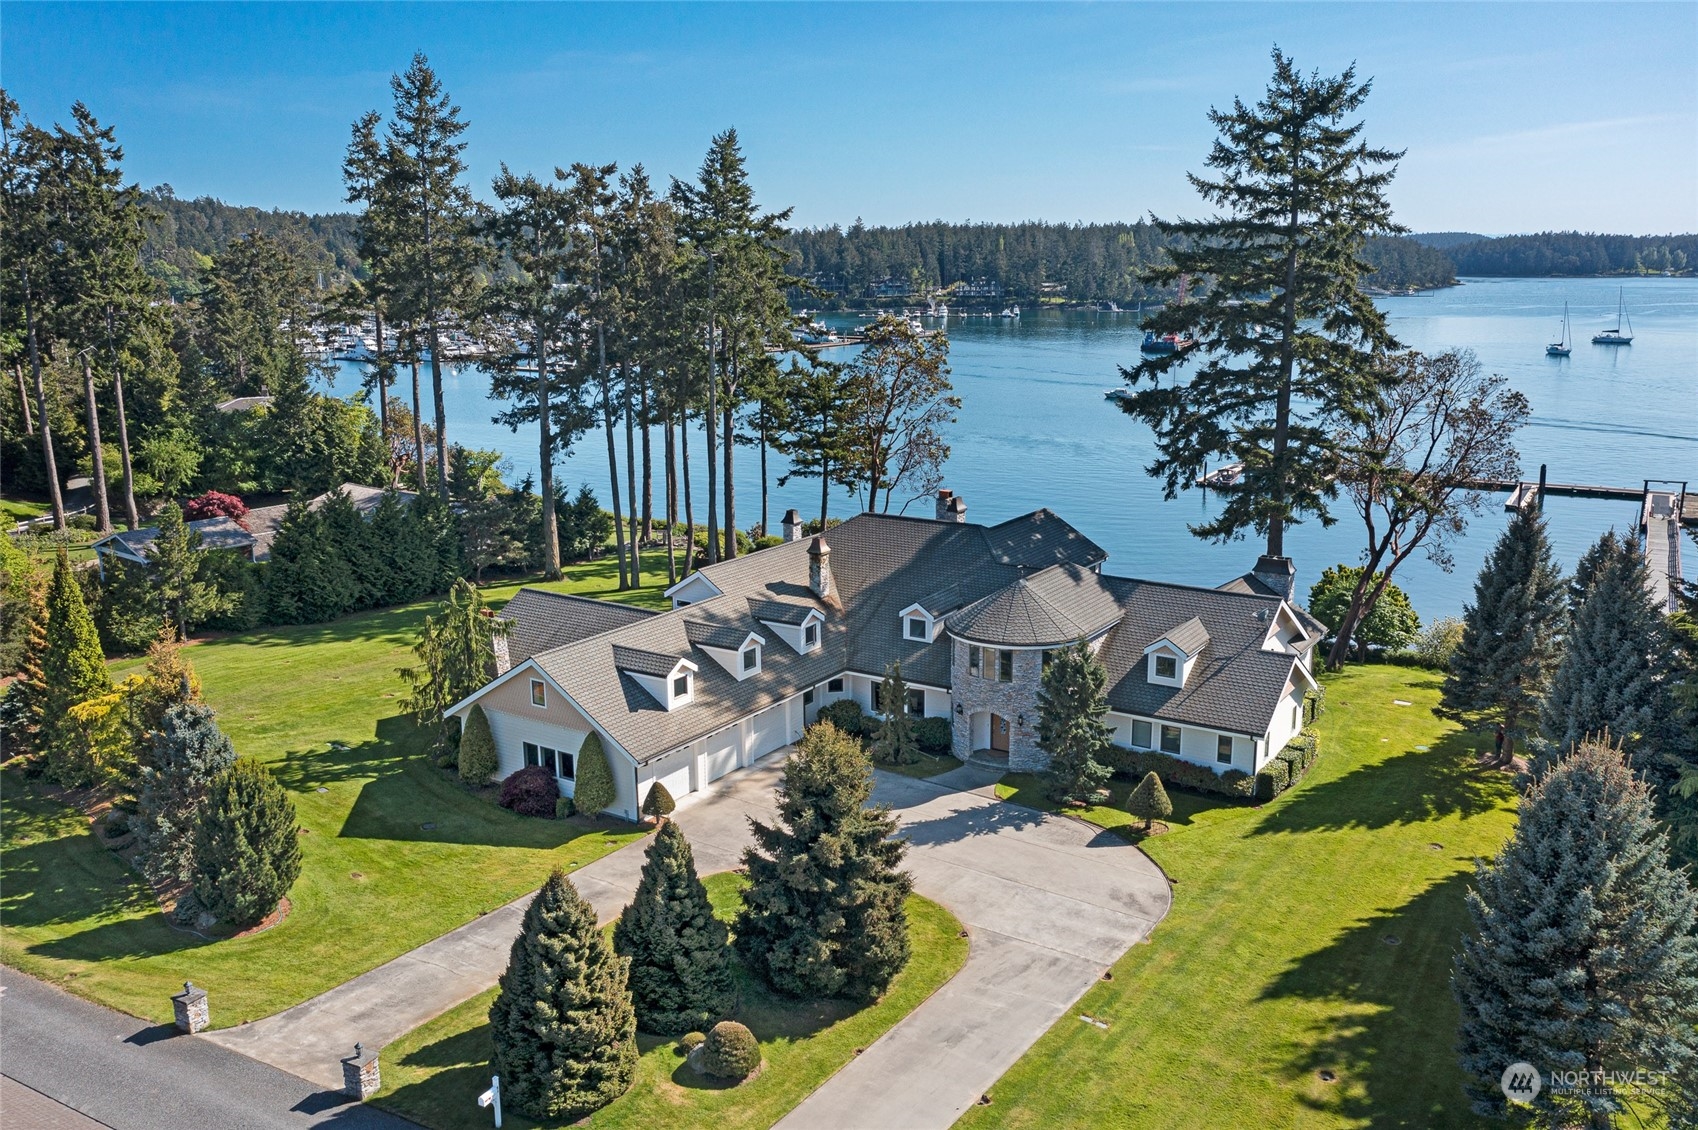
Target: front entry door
(999, 733)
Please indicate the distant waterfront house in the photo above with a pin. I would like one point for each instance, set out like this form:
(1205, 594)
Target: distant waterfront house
(249, 539)
(754, 647)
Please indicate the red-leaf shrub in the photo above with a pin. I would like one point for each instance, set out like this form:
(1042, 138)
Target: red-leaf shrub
(531, 791)
(216, 504)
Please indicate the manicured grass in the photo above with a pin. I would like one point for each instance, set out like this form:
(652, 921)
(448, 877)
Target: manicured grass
(396, 852)
(19, 510)
(434, 1073)
(1274, 963)
(1028, 789)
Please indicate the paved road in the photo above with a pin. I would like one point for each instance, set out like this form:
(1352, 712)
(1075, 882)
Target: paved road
(378, 1007)
(1049, 902)
(113, 1070)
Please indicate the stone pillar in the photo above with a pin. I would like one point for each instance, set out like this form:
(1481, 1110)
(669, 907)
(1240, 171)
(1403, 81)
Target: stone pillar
(360, 1079)
(189, 1008)
(792, 526)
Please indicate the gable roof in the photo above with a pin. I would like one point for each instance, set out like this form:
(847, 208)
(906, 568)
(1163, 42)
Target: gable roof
(639, 662)
(790, 612)
(1190, 638)
(542, 620)
(215, 533)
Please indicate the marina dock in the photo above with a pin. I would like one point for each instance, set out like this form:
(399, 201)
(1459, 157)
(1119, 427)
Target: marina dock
(1665, 505)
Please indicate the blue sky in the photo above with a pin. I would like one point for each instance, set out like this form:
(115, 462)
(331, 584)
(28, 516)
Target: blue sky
(1516, 117)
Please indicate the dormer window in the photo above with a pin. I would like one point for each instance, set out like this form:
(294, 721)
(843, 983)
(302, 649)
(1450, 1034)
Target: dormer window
(810, 635)
(751, 659)
(681, 686)
(917, 628)
(1167, 667)
(917, 623)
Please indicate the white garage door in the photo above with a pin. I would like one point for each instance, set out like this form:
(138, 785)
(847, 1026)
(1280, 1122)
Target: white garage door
(675, 774)
(768, 731)
(721, 754)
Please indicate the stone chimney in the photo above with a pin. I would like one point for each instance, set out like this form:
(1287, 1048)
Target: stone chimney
(819, 569)
(951, 507)
(1277, 573)
(792, 526)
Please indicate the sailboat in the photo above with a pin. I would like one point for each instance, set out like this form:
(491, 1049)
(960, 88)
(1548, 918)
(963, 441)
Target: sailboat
(1615, 336)
(1561, 348)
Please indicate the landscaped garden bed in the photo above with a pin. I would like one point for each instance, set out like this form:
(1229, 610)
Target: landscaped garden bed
(434, 1074)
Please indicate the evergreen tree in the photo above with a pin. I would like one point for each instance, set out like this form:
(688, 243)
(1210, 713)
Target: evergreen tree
(346, 532)
(1614, 676)
(1511, 633)
(25, 703)
(247, 851)
(305, 580)
(895, 744)
(563, 1026)
(1583, 955)
(478, 762)
(680, 962)
(592, 787)
(394, 576)
(456, 656)
(185, 755)
(1284, 334)
(1150, 801)
(659, 803)
(22, 591)
(73, 669)
(178, 572)
(825, 913)
(1071, 708)
(128, 611)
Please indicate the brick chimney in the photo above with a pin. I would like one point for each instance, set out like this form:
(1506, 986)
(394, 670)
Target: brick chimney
(792, 526)
(819, 569)
(951, 507)
(1277, 573)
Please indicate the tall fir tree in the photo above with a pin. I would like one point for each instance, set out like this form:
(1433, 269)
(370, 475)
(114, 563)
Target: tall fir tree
(680, 959)
(1615, 672)
(825, 913)
(1283, 334)
(73, 670)
(1583, 955)
(456, 655)
(25, 614)
(895, 743)
(247, 851)
(563, 1025)
(186, 754)
(1071, 706)
(1511, 633)
(178, 572)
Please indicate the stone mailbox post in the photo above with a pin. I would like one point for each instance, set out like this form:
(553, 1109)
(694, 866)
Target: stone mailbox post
(360, 1079)
(189, 1007)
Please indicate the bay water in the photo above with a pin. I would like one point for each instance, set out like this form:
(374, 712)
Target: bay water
(1034, 430)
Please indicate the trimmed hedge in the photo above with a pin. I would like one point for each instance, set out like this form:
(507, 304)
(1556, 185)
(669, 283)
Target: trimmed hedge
(1288, 766)
(1173, 771)
(935, 735)
(531, 791)
(1314, 705)
(846, 714)
(730, 1051)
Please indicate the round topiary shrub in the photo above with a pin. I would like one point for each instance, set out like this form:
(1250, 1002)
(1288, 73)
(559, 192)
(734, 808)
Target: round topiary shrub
(933, 735)
(731, 1051)
(690, 1041)
(846, 714)
(531, 791)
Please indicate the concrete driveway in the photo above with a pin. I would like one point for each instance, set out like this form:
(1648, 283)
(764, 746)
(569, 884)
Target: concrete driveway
(1049, 903)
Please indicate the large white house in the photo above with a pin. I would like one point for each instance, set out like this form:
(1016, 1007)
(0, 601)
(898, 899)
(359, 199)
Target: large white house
(754, 646)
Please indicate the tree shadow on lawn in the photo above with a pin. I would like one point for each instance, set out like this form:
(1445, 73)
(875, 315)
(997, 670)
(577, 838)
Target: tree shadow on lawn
(398, 626)
(1407, 788)
(395, 742)
(1391, 1040)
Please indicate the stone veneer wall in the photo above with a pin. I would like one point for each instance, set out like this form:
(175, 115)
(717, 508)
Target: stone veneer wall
(975, 695)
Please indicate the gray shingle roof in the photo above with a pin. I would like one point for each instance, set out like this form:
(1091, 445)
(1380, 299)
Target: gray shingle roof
(543, 620)
(1234, 684)
(640, 662)
(1047, 609)
(726, 637)
(792, 612)
(1190, 637)
(215, 533)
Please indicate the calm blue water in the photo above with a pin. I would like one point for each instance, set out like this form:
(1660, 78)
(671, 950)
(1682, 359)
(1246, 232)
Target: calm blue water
(1035, 431)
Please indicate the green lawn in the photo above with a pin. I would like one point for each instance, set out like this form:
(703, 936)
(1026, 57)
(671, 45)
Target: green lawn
(18, 510)
(1028, 789)
(929, 765)
(396, 852)
(1276, 961)
(434, 1073)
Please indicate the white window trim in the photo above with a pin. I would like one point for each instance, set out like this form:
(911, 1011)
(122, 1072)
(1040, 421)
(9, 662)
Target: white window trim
(1181, 661)
(917, 612)
(539, 685)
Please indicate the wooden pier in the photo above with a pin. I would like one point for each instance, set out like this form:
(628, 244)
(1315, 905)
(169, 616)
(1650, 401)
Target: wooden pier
(1665, 505)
